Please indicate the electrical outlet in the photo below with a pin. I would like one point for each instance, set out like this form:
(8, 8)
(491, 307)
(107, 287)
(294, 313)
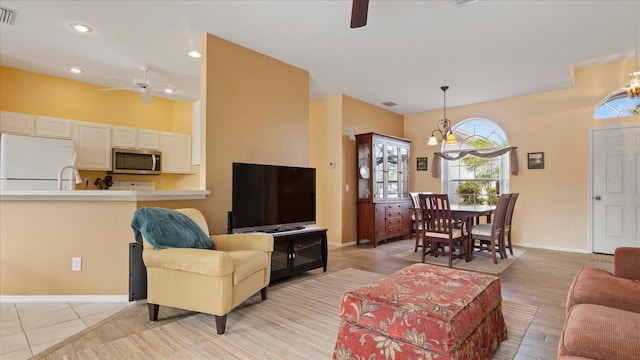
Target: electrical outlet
(76, 264)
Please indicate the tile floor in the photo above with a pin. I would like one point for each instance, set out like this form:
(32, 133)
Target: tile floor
(29, 328)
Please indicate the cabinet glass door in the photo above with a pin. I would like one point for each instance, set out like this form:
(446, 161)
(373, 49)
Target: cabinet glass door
(280, 256)
(307, 252)
(364, 171)
(378, 170)
(404, 172)
(392, 172)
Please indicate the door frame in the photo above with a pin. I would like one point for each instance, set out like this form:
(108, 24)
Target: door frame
(590, 170)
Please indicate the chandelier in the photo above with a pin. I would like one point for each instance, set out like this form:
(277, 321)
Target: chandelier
(634, 85)
(633, 88)
(443, 126)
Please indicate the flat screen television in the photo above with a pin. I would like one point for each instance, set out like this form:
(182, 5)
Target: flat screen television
(272, 198)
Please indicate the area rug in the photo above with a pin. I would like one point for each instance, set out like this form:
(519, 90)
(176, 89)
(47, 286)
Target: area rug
(481, 261)
(299, 321)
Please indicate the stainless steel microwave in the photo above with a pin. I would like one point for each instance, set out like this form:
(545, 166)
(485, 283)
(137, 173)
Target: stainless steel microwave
(136, 161)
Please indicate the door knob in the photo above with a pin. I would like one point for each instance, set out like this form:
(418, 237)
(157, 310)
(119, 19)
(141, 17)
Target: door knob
(598, 198)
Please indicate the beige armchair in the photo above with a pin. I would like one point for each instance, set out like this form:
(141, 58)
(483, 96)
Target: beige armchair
(208, 281)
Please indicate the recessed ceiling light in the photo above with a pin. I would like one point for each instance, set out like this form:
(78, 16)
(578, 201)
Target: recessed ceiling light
(75, 70)
(194, 54)
(81, 28)
(168, 91)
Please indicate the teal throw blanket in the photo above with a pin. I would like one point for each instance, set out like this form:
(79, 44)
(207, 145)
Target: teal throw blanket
(166, 228)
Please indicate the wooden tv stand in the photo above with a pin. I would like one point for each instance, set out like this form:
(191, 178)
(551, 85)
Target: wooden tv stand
(298, 251)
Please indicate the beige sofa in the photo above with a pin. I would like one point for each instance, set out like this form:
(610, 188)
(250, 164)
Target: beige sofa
(603, 312)
(208, 281)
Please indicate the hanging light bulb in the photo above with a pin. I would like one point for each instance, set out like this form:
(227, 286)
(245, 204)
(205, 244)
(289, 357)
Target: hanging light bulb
(451, 139)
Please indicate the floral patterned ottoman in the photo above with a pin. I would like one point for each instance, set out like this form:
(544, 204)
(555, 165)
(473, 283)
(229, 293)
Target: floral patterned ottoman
(422, 312)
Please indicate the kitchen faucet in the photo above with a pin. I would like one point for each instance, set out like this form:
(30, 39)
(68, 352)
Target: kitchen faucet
(74, 171)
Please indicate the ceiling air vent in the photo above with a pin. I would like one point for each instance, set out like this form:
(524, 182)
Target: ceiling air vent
(7, 16)
(389, 103)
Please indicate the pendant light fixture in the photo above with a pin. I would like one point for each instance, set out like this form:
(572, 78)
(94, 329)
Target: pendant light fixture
(633, 88)
(443, 126)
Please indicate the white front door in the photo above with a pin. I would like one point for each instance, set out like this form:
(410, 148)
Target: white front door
(616, 188)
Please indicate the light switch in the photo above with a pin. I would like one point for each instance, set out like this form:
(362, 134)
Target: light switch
(76, 264)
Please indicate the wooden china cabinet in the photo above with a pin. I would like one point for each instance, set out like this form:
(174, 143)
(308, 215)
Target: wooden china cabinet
(383, 205)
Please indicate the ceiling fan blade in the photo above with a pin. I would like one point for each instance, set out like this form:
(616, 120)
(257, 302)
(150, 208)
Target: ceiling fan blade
(359, 11)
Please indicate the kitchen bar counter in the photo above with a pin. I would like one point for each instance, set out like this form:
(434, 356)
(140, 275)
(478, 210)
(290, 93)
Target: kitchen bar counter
(102, 195)
(42, 230)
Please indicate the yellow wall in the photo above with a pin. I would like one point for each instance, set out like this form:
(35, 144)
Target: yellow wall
(325, 144)
(552, 209)
(39, 238)
(38, 94)
(33, 93)
(255, 109)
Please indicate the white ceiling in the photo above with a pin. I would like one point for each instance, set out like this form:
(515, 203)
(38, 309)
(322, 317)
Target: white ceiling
(484, 51)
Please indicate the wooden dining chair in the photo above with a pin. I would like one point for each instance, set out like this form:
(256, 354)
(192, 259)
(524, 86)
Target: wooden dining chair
(490, 235)
(417, 218)
(440, 230)
(508, 220)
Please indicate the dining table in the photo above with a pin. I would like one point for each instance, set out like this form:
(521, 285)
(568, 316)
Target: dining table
(469, 213)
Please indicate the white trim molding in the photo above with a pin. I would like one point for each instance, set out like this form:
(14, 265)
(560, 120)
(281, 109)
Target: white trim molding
(554, 248)
(64, 299)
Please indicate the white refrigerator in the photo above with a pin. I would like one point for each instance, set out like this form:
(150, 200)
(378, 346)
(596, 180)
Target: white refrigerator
(33, 163)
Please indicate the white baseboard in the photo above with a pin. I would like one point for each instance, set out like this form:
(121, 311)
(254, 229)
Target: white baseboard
(554, 248)
(64, 298)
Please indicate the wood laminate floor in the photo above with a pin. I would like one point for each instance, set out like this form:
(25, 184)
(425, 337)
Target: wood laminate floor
(539, 277)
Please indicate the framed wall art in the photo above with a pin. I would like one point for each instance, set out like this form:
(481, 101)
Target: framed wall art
(535, 160)
(422, 164)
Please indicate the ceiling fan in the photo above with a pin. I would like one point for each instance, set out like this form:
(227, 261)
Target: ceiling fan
(144, 86)
(359, 9)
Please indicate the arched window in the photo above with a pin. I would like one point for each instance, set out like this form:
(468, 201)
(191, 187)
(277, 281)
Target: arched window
(472, 179)
(617, 104)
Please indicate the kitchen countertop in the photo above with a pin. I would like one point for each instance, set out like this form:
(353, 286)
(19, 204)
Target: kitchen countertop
(102, 195)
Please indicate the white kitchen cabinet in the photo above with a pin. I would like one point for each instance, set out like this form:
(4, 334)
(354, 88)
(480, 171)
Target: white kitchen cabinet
(127, 137)
(124, 137)
(52, 127)
(32, 125)
(148, 139)
(93, 141)
(16, 123)
(93, 145)
(176, 153)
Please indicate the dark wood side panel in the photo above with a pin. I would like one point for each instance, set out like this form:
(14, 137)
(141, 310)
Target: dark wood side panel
(366, 222)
